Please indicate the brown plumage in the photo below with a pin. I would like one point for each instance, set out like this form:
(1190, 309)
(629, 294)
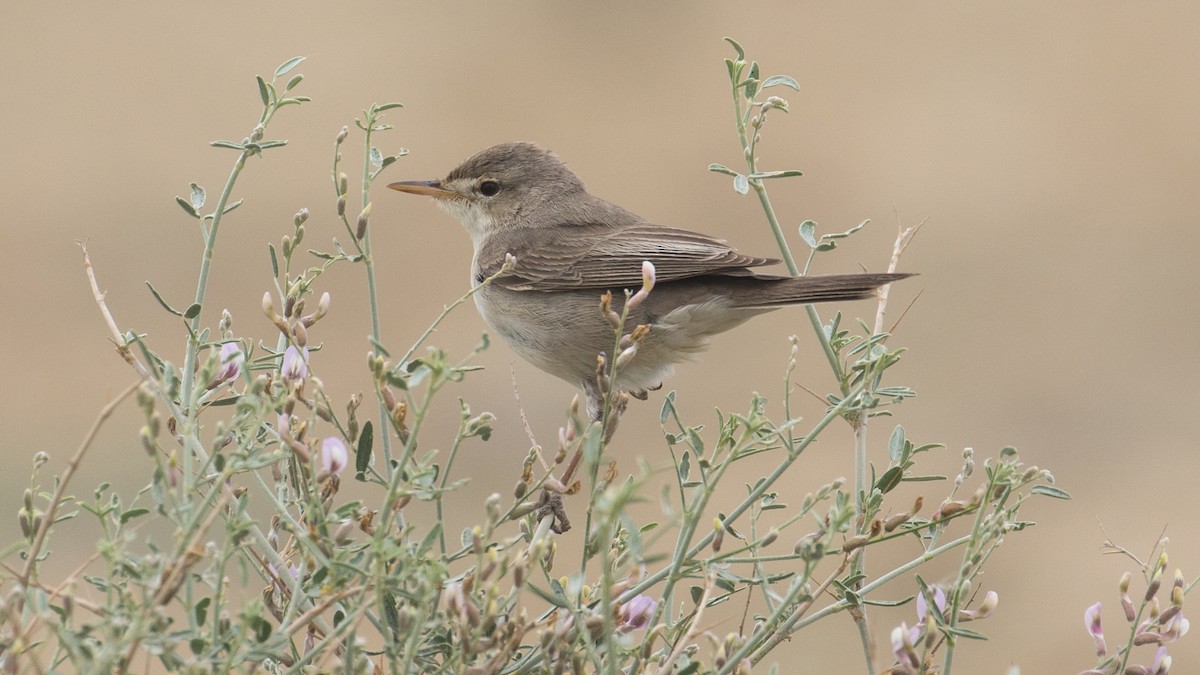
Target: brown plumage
(571, 246)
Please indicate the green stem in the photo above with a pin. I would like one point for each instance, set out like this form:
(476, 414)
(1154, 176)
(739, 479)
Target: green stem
(754, 495)
(372, 294)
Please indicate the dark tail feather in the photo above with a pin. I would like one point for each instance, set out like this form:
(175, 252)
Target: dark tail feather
(773, 292)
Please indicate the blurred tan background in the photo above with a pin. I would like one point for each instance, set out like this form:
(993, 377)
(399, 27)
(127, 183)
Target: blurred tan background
(1054, 150)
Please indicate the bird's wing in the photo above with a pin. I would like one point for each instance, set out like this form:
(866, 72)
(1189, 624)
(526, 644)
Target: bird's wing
(598, 257)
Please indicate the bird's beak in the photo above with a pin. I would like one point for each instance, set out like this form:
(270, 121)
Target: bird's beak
(429, 188)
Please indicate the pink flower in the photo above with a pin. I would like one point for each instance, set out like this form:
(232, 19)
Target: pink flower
(636, 614)
(903, 647)
(1091, 621)
(295, 364)
(939, 599)
(230, 362)
(334, 455)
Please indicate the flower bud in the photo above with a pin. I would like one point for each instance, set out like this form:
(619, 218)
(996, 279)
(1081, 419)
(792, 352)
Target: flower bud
(363, 217)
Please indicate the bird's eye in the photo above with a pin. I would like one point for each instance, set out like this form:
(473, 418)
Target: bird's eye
(489, 188)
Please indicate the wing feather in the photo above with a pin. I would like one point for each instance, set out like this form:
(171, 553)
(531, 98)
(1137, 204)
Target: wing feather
(579, 257)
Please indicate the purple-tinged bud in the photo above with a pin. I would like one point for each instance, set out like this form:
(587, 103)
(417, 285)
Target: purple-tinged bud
(1126, 579)
(1091, 621)
(636, 613)
(334, 455)
(299, 334)
(772, 535)
(341, 205)
(295, 364)
(363, 217)
(343, 183)
(300, 217)
(1152, 587)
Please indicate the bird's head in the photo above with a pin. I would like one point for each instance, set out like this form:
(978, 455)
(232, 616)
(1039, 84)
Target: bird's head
(505, 186)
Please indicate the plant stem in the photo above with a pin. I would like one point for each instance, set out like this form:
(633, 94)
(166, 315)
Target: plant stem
(372, 295)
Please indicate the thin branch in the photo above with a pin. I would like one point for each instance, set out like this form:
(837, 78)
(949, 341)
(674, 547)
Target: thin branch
(52, 509)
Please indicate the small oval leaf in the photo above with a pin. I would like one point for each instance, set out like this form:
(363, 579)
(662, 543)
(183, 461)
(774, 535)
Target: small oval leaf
(1050, 491)
(741, 184)
(362, 457)
(197, 197)
(187, 207)
(192, 311)
(262, 90)
(287, 66)
(785, 80)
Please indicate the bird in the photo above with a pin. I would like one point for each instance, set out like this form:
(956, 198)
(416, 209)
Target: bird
(549, 250)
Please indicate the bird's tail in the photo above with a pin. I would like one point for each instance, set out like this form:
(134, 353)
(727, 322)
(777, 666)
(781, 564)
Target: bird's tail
(765, 293)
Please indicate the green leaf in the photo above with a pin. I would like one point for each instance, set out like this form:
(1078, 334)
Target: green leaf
(197, 197)
(274, 261)
(192, 311)
(133, 513)
(293, 82)
(288, 65)
(362, 457)
(430, 538)
(964, 632)
(668, 407)
(376, 157)
(807, 230)
(187, 207)
(741, 184)
(847, 233)
(227, 144)
(889, 480)
(889, 603)
(923, 479)
(721, 168)
(896, 443)
(230, 207)
(388, 106)
(697, 594)
(159, 298)
(760, 175)
(785, 80)
(262, 90)
(556, 600)
(741, 53)
(685, 465)
(391, 614)
(1049, 491)
(202, 610)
